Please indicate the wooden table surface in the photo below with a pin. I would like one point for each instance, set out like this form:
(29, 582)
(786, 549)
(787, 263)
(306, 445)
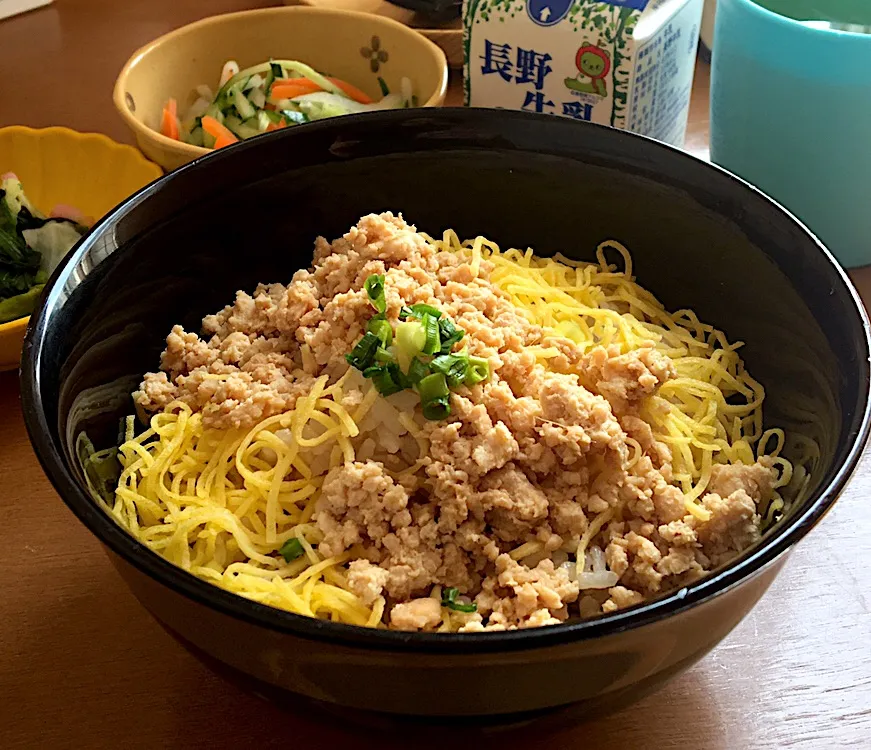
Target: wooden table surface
(83, 666)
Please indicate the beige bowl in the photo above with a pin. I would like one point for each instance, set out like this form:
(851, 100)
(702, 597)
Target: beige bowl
(449, 36)
(357, 47)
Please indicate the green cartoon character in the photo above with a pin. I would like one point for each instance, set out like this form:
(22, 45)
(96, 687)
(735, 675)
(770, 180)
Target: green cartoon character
(593, 63)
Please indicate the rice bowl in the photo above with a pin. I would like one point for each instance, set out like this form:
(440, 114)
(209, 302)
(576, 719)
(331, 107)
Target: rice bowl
(113, 302)
(433, 435)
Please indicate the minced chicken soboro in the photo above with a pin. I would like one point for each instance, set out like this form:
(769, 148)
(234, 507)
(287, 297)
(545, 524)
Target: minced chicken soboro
(606, 451)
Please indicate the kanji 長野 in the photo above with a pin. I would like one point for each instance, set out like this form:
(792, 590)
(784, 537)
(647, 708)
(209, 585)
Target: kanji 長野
(497, 59)
(531, 67)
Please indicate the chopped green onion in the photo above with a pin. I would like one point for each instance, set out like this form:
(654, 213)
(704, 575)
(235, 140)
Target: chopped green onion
(397, 360)
(382, 379)
(479, 369)
(399, 376)
(419, 310)
(363, 353)
(437, 409)
(384, 356)
(382, 329)
(449, 600)
(432, 387)
(291, 549)
(433, 340)
(387, 379)
(383, 85)
(385, 384)
(454, 367)
(450, 334)
(417, 371)
(374, 287)
(410, 338)
(434, 396)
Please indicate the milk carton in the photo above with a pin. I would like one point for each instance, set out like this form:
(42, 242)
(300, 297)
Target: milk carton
(624, 63)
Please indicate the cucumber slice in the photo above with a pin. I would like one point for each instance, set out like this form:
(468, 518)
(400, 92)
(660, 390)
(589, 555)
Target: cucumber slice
(294, 116)
(226, 96)
(215, 111)
(196, 137)
(243, 130)
(270, 74)
(242, 105)
(273, 116)
(257, 98)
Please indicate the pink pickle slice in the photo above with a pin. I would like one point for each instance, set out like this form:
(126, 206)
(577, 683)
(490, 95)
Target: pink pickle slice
(9, 176)
(63, 211)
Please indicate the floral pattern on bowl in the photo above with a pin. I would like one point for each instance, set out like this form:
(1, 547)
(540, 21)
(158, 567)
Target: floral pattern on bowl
(375, 54)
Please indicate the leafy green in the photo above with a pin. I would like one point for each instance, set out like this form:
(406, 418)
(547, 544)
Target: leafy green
(30, 248)
(18, 263)
(20, 305)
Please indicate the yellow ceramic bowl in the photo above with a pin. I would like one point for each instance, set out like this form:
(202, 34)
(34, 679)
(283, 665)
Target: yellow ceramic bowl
(357, 47)
(58, 165)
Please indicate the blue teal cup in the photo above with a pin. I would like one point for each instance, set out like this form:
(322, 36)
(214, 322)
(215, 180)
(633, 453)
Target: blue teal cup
(791, 111)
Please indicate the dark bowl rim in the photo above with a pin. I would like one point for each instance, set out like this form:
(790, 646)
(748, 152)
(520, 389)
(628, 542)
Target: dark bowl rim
(186, 584)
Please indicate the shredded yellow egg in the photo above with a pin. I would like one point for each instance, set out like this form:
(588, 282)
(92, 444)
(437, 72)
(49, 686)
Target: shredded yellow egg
(221, 504)
(711, 413)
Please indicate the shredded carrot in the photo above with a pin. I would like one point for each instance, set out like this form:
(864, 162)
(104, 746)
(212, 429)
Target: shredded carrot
(169, 120)
(275, 126)
(222, 141)
(292, 87)
(222, 136)
(352, 91)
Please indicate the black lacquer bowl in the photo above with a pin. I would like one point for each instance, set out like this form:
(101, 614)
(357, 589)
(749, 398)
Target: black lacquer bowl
(700, 238)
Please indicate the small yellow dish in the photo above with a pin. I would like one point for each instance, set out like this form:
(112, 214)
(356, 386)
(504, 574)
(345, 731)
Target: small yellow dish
(56, 165)
(357, 47)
